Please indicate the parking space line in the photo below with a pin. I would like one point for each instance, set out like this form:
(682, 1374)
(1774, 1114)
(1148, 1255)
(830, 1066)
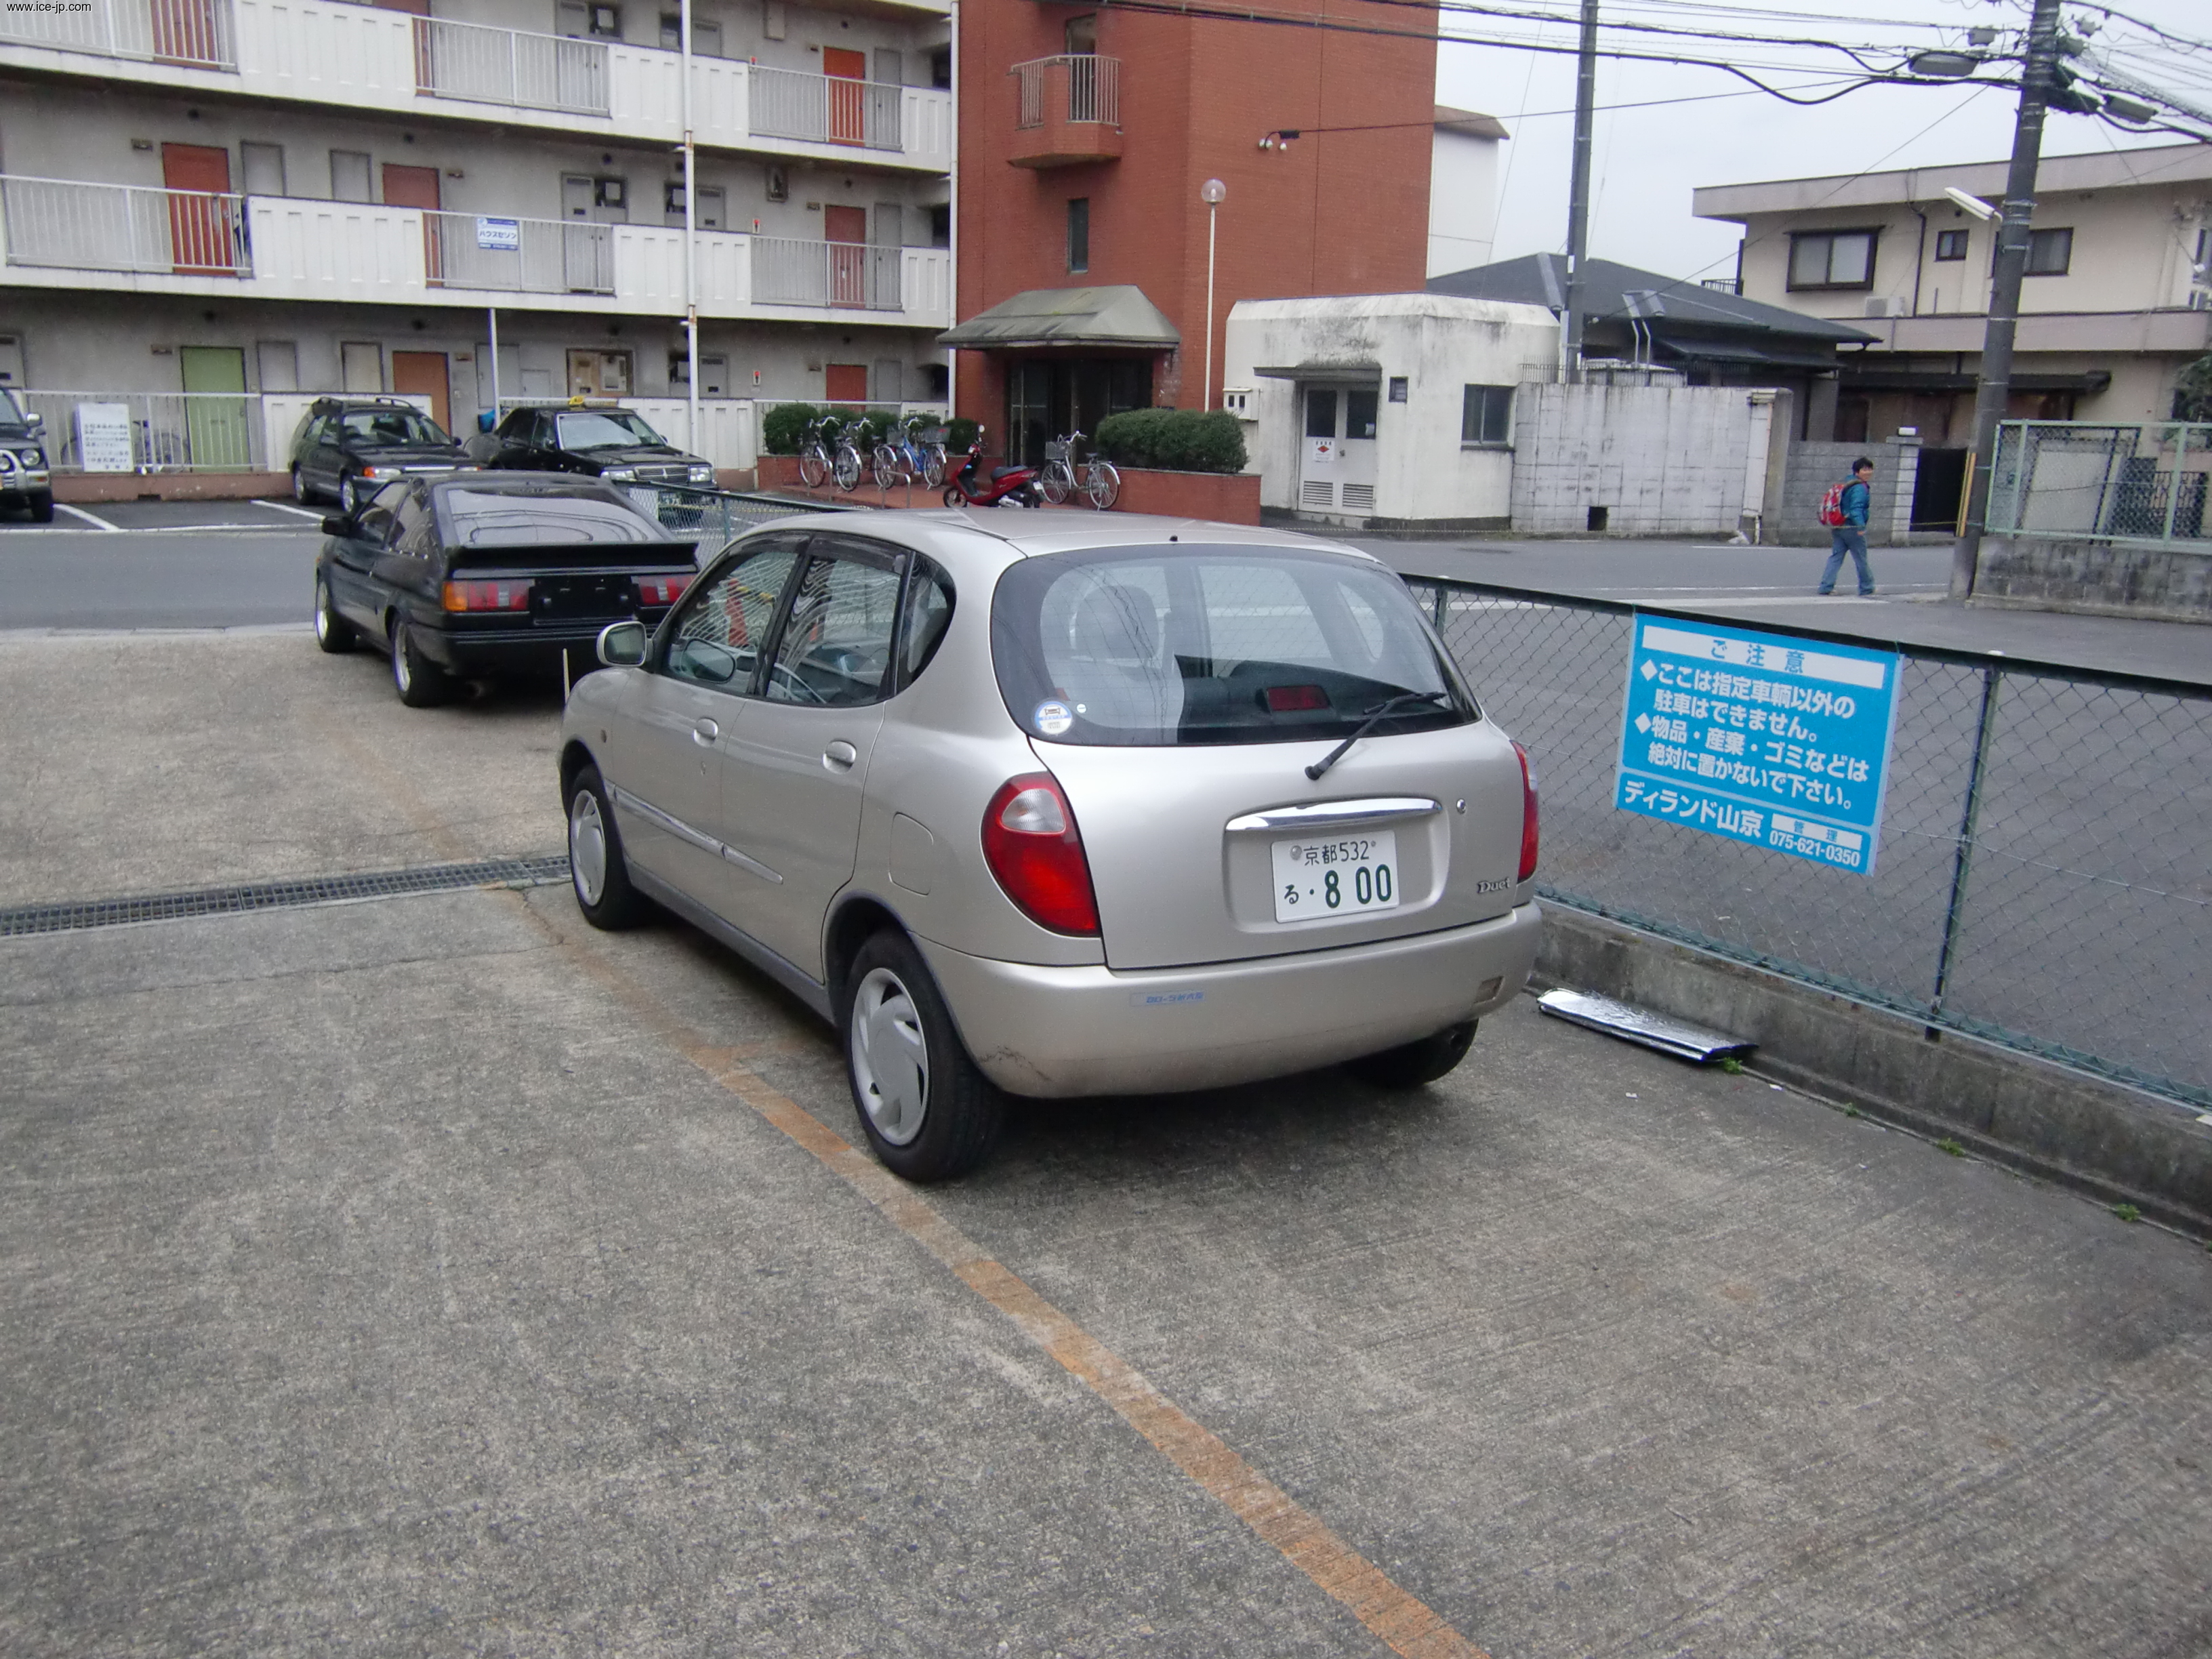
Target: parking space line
(1407, 1625)
(286, 506)
(92, 519)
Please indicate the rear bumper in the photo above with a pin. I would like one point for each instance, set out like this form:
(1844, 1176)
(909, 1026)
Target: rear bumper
(1090, 1031)
(478, 651)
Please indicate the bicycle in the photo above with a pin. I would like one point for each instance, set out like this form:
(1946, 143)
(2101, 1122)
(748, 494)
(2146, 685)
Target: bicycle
(907, 454)
(1100, 482)
(846, 467)
(813, 454)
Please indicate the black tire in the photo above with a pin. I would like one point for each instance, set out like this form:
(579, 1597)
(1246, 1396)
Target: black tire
(893, 1024)
(42, 509)
(420, 682)
(333, 633)
(1413, 1063)
(599, 873)
(348, 498)
(953, 497)
(300, 493)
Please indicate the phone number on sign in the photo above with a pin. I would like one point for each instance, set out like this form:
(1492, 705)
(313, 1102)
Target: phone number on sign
(1850, 857)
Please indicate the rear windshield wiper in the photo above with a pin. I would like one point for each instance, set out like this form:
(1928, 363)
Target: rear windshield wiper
(1381, 712)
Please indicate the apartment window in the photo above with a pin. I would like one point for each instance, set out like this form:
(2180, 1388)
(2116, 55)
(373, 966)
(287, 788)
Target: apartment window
(706, 37)
(1079, 233)
(779, 185)
(891, 67)
(1951, 243)
(1485, 415)
(940, 224)
(576, 19)
(940, 68)
(349, 177)
(1082, 36)
(1831, 258)
(2050, 252)
(264, 168)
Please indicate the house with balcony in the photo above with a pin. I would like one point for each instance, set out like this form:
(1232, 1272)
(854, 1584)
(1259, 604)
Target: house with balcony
(2115, 300)
(264, 200)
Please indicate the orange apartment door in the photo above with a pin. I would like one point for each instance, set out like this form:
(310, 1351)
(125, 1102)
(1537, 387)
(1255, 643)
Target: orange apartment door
(423, 374)
(417, 187)
(847, 231)
(200, 240)
(848, 93)
(845, 383)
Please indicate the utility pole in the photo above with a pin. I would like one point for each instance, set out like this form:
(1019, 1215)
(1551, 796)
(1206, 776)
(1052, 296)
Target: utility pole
(2036, 82)
(1578, 197)
(691, 245)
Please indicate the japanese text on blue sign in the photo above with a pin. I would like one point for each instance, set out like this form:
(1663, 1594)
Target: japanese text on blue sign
(500, 235)
(1761, 737)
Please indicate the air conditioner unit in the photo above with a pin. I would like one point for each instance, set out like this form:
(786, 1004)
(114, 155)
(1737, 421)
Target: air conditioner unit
(1888, 306)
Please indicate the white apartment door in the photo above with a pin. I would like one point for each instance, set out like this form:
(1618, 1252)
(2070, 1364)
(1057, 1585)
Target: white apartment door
(1337, 455)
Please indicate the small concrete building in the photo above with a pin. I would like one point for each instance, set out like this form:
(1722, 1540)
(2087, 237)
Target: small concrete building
(1384, 409)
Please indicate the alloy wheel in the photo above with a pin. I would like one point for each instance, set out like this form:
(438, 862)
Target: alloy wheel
(890, 1057)
(587, 847)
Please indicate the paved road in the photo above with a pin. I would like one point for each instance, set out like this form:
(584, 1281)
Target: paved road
(438, 1275)
(160, 564)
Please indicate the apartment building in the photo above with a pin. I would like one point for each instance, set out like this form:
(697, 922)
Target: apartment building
(1087, 245)
(267, 199)
(2115, 300)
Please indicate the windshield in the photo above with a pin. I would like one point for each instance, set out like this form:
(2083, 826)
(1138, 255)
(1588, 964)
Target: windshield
(392, 426)
(490, 517)
(602, 429)
(11, 411)
(1206, 645)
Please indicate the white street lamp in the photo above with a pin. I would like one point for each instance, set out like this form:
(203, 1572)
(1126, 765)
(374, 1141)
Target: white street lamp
(1211, 193)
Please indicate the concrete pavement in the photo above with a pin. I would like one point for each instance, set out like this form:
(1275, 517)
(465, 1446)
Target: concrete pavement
(438, 1275)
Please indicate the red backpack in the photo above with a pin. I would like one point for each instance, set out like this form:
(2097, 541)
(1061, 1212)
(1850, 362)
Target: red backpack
(1831, 506)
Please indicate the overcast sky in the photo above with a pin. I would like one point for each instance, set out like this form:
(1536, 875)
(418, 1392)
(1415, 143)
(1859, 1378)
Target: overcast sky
(1646, 161)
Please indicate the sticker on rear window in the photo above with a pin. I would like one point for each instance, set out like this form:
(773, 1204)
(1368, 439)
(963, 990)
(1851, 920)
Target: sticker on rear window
(1052, 718)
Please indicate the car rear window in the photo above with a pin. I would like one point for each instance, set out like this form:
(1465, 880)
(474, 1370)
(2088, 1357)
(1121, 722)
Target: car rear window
(1167, 646)
(492, 518)
(392, 426)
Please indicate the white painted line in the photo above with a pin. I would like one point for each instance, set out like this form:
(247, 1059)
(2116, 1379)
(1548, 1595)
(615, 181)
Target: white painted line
(92, 519)
(286, 506)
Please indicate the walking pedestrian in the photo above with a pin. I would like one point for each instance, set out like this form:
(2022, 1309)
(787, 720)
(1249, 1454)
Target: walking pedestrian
(1850, 536)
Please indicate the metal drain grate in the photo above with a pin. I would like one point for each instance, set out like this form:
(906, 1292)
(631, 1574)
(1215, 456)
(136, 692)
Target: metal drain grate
(283, 895)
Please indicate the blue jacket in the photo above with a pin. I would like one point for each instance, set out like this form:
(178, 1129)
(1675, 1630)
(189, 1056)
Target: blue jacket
(1858, 499)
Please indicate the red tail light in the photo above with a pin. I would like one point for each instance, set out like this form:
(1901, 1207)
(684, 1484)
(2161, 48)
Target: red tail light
(1528, 814)
(487, 596)
(1034, 848)
(661, 590)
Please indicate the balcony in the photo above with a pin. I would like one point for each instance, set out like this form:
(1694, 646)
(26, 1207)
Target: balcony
(1068, 111)
(58, 233)
(359, 58)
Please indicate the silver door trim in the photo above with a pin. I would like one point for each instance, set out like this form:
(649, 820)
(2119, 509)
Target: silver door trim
(683, 832)
(1329, 814)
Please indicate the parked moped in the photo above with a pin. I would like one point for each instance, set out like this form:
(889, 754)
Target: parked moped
(968, 487)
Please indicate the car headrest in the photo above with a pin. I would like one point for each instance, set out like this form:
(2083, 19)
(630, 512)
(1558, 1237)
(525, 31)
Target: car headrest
(1117, 623)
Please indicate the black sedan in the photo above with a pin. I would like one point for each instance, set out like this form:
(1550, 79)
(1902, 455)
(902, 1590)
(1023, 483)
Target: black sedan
(595, 440)
(463, 575)
(348, 448)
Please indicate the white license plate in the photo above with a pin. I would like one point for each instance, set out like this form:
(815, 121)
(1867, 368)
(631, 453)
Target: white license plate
(1317, 877)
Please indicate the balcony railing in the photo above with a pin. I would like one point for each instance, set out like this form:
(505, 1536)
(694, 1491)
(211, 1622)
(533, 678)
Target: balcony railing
(78, 227)
(1072, 86)
(824, 109)
(480, 65)
(197, 33)
(844, 276)
(518, 256)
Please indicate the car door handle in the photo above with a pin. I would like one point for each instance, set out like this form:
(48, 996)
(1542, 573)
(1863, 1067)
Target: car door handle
(839, 756)
(704, 732)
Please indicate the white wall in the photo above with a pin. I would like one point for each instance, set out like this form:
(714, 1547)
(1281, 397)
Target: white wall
(1440, 344)
(1661, 459)
(1462, 201)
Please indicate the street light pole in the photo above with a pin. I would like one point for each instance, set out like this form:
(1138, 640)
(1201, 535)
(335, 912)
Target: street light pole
(2013, 228)
(690, 245)
(1211, 193)
(1578, 194)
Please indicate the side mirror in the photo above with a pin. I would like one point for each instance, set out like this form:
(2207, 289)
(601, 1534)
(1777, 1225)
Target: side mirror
(621, 644)
(337, 527)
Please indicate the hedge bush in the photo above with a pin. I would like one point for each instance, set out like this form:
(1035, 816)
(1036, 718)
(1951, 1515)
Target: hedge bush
(783, 428)
(1173, 440)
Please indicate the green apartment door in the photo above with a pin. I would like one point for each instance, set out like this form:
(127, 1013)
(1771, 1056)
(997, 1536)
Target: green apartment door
(217, 433)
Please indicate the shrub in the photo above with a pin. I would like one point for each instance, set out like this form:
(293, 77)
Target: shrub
(783, 428)
(1173, 440)
(959, 435)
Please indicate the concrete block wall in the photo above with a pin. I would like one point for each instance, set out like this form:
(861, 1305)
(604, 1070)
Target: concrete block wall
(1794, 521)
(1660, 459)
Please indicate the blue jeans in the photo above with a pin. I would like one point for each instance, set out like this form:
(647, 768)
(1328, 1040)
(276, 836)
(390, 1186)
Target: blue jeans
(1847, 539)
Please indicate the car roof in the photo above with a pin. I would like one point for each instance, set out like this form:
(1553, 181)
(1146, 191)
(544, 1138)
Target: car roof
(538, 485)
(1002, 537)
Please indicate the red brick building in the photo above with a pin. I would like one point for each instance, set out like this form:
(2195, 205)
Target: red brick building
(1086, 136)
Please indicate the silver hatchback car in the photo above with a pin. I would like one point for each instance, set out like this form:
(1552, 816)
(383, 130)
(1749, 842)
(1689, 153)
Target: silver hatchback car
(1071, 807)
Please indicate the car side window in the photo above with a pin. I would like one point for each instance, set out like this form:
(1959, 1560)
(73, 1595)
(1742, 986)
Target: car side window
(928, 614)
(412, 529)
(717, 633)
(835, 651)
(377, 519)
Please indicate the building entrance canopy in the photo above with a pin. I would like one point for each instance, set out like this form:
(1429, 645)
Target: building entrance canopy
(1114, 314)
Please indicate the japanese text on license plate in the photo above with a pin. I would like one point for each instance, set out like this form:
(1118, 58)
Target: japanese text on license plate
(1338, 876)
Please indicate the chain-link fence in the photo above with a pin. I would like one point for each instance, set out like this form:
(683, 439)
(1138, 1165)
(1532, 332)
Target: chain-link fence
(2046, 871)
(717, 516)
(2126, 483)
